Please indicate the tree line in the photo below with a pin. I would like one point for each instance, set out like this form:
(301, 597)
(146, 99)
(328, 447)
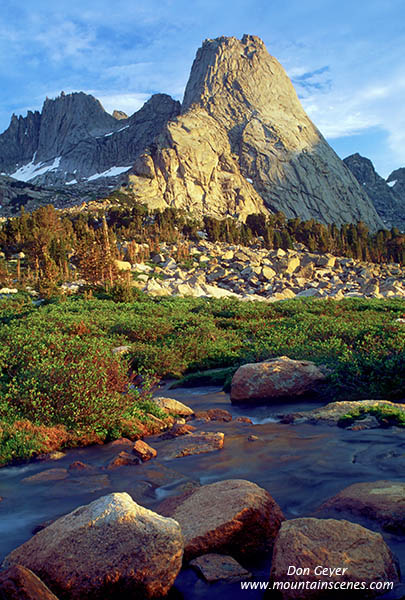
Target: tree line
(57, 244)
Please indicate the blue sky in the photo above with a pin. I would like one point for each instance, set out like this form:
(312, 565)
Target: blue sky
(346, 58)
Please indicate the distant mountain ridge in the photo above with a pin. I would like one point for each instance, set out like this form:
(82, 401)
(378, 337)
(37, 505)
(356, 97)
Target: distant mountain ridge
(388, 196)
(74, 139)
(240, 143)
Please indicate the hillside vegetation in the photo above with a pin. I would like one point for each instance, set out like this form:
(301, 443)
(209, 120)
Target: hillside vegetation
(62, 384)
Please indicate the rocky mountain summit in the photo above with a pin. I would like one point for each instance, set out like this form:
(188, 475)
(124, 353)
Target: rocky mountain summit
(240, 143)
(388, 196)
(243, 143)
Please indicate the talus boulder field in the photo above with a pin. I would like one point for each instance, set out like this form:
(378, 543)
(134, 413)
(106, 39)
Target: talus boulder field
(243, 143)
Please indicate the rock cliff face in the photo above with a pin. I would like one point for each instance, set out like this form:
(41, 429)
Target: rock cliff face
(74, 140)
(397, 181)
(388, 200)
(243, 142)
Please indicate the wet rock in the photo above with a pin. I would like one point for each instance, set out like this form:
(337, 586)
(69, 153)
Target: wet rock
(143, 451)
(382, 501)
(123, 459)
(177, 430)
(277, 378)
(194, 443)
(79, 467)
(314, 543)
(56, 455)
(369, 422)
(47, 475)
(214, 414)
(233, 517)
(219, 567)
(159, 475)
(244, 420)
(19, 583)
(42, 525)
(120, 442)
(108, 549)
(332, 413)
(84, 484)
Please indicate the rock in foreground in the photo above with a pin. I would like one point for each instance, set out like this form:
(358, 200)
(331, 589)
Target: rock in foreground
(192, 444)
(277, 378)
(19, 583)
(382, 501)
(110, 548)
(219, 567)
(234, 517)
(318, 545)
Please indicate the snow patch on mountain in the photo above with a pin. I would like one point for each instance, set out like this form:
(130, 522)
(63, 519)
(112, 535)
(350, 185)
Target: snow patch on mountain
(30, 170)
(112, 172)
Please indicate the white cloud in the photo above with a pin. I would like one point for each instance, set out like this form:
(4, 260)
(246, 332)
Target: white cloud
(355, 109)
(129, 103)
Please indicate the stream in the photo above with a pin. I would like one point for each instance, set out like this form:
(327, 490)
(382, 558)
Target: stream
(300, 465)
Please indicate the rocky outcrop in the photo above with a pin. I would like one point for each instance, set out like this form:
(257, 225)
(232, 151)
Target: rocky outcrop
(276, 378)
(381, 501)
(243, 143)
(233, 517)
(109, 548)
(119, 114)
(330, 551)
(191, 166)
(385, 195)
(19, 583)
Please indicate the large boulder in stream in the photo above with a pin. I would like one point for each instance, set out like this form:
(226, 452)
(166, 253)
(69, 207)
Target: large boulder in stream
(381, 501)
(235, 517)
(19, 583)
(332, 413)
(108, 549)
(327, 552)
(276, 378)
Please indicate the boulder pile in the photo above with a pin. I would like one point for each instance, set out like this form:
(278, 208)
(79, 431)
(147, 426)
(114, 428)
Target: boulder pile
(254, 273)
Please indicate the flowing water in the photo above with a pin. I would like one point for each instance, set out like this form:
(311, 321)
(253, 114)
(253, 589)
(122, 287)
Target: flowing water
(300, 465)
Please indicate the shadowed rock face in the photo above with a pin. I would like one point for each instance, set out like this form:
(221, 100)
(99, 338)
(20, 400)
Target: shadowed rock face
(397, 180)
(389, 201)
(243, 143)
